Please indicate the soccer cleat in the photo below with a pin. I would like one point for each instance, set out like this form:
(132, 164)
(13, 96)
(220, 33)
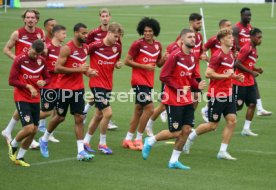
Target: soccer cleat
(146, 149)
(225, 155)
(164, 116)
(53, 139)
(21, 162)
(248, 132)
(138, 144)
(264, 112)
(187, 146)
(42, 128)
(7, 136)
(149, 130)
(204, 113)
(88, 148)
(111, 126)
(128, 144)
(34, 145)
(12, 152)
(44, 148)
(84, 156)
(104, 148)
(178, 165)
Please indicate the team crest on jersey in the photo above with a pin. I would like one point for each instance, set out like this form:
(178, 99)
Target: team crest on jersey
(175, 125)
(27, 118)
(239, 102)
(192, 58)
(60, 110)
(38, 36)
(156, 46)
(114, 49)
(85, 51)
(76, 53)
(215, 116)
(39, 61)
(46, 105)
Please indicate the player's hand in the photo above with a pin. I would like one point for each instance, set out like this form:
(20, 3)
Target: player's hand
(204, 57)
(32, 90)
(41, 83)
(259, 70)
(118, 65)
(91, 72)
(186, 89)
(255, 73)
(202, 85)
(229, 73)
(150, 67)
(83, 68)
(239, 77)
(166, 55)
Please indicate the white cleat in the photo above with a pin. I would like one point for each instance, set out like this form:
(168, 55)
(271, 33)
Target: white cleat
(248, 132)
(187, 146)
(34, 145)
(204, 113)
(53, 139)
(225, 155)
(111, 126)
(264, 112)
(164, 116)
(149, 131)
(7, 136)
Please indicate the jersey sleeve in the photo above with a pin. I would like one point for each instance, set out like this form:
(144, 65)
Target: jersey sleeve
(134, 49)
(14, 73)
(243, 53)
(214, 62)
(209, 44)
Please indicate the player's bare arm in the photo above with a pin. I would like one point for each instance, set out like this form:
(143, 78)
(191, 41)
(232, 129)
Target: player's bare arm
(240, 66)
(32, 90)
(10, 45)
(236, 37)
(211, 74)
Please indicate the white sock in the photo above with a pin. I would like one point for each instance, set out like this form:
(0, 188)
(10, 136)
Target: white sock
(150, 123)
(42, 122)
(46, 136)
(86, 108)
(21, 153)
(151, 140)
(129, 136)
(223, 147)
(14, 143)
(259, 105)
(192, 135)
(87, 138)
(246, 125)
(139, 136)
(80, 145)
(11, 126)
(175, 156)
(103, 139)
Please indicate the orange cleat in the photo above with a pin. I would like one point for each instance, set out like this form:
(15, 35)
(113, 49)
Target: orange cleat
(128, 144)
(138, 144)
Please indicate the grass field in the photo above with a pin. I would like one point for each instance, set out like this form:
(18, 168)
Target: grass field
(255, 168)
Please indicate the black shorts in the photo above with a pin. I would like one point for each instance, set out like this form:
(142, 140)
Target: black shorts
(142, 94)
(178, 116)
(162, 92)
(74, 98)
(245, 94)
(196, 90)
(48, 99)
(101, 97)
(218, 106)
(28, 113)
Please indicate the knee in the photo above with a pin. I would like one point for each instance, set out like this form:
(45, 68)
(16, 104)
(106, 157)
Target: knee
(186, 130)
(213, 126)
(252, 106)
(60, 119)
(232, 121)
(78, 118)
(31, 129)
(98, 116)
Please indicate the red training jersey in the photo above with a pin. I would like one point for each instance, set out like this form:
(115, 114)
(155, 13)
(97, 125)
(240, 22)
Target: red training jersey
(177, 73)
(213, 44)
(197, 51)
(95, 35)
(27, 71)
(172, 46)
(144, 53)
(221, 63)
(244, 33)
(77, 57)
(248, 56)
(25, 39)
(103, 58)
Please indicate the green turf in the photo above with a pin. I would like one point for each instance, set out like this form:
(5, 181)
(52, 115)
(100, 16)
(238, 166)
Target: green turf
(255, 168)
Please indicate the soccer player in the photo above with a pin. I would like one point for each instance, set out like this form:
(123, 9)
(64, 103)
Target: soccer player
(241, 33)
(245, 92)
(49, 93)
(143, 56)
(98, 34)
(161, 108)
(213, 44)
(104, 57)
(195, 21)
(21, 39)
(71, 65)
(49, 25)
(220, 98)
(177, 75)
(28, 73)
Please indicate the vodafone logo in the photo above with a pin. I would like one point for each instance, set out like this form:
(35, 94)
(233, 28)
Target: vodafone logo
(183, 74)
(54, 63)
(145, 59)
(75, 65)
(25, 76)
(100, 62)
